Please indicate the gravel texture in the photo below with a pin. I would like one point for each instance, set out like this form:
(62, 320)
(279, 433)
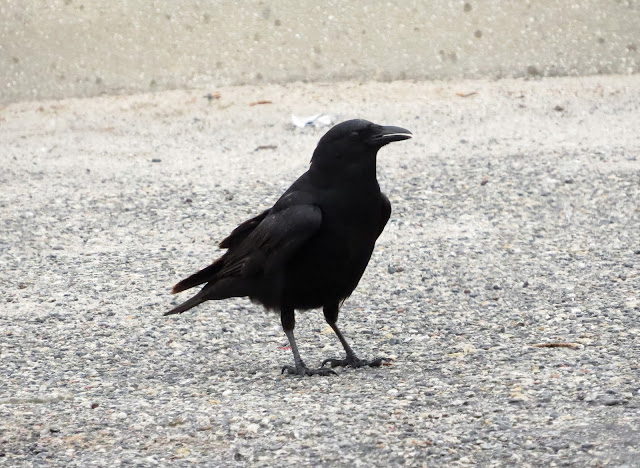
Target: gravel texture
(516, 222)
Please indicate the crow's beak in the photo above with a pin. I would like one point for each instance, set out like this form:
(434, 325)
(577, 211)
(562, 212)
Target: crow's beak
(384, 135)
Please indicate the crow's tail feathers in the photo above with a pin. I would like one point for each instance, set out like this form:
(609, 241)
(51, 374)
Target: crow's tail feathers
(203, 276)
(188, 304)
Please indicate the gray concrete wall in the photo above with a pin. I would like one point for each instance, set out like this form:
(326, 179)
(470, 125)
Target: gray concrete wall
(60, 48)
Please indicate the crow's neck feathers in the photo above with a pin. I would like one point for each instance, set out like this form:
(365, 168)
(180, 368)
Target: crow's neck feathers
(341, 166)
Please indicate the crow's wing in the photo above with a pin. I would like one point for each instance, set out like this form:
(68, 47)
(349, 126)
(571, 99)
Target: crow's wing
(264, 249)
(272, 242)
(232, 240)
(262, 243)
(242, 231)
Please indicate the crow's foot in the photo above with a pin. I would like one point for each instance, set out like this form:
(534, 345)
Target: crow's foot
(355, 362)
(304, 370)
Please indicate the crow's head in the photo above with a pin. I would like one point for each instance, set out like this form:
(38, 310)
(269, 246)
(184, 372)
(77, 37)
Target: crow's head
(351, 141)
(362, 132)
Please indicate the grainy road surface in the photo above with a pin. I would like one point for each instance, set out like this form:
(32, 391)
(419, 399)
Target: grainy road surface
(516, 222)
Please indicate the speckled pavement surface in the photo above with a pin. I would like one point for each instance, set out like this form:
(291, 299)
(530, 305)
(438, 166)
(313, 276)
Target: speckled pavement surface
(516, 222)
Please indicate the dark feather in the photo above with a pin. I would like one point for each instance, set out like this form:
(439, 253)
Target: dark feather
(203, 276)
(186, 305)
(241, 232)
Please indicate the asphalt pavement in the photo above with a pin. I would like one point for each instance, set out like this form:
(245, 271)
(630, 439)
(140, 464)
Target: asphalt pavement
(505, 288)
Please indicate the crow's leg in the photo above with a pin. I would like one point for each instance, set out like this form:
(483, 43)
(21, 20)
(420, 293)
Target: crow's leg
(287, 317)
(331, 315)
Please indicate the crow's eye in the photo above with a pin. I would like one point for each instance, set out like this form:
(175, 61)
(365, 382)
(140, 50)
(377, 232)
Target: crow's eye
(354, 135)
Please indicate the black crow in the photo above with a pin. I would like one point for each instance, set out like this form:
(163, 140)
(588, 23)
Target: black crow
(311, 248)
